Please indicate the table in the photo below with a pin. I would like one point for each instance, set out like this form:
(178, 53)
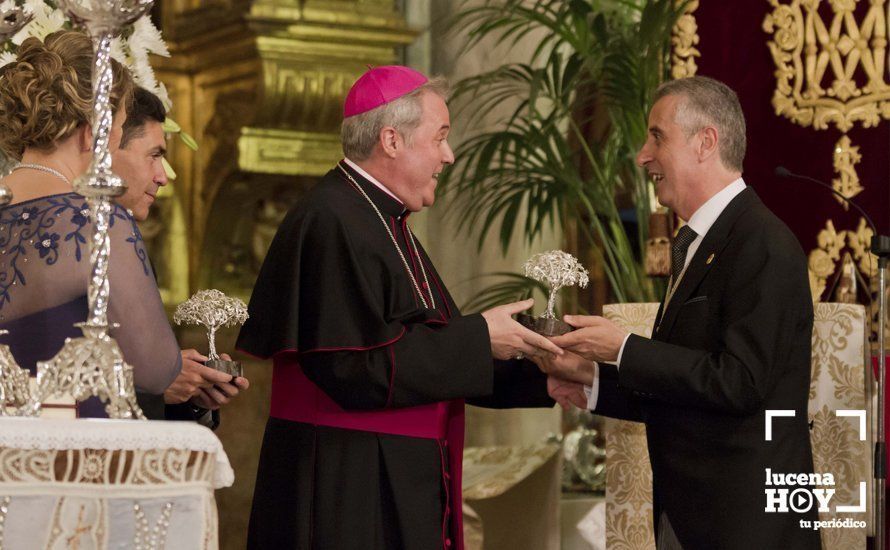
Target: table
(106, 484)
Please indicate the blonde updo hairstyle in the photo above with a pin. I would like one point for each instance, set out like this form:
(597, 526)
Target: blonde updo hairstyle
(46, 94)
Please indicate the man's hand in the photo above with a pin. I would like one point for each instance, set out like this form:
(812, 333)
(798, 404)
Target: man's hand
(206, 387)
(509, 338)
(190, 379)
(218, 394)
(596, 338)
(569, 367)
(566, 393)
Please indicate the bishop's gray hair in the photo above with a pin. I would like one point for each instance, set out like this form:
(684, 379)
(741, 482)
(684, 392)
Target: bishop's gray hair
(709, 102)
(359, 134)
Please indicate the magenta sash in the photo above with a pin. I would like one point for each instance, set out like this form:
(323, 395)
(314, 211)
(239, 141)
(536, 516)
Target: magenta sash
(298, 399)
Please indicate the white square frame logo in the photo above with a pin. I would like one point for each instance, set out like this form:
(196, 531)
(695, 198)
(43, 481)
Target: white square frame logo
(858, 413)
(789, 413)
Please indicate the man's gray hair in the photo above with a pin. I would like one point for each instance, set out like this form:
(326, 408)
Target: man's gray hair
(708, 102)
(359, 134)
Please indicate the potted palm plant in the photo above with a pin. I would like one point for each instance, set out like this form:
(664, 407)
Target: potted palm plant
(551, 161)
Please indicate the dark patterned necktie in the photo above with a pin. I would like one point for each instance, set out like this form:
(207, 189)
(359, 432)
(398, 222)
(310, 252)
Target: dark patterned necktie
(681, 243)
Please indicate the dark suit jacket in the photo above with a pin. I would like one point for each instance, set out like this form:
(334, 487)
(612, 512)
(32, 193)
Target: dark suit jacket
(733, 342)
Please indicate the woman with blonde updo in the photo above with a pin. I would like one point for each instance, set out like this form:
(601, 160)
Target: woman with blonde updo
(45, 116)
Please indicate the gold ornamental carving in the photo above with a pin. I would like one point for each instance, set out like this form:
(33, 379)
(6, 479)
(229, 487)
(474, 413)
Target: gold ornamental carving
(846, 157)
(307, 70)
(684, 43)
(831, 71)
(817, 60)
(831, 243)
(834, 245)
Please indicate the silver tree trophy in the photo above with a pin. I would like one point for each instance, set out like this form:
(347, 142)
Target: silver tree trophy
(556, 269)
(212, 310)
(94, 364)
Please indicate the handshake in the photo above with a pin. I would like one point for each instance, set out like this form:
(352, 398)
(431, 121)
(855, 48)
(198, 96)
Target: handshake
(570, 360)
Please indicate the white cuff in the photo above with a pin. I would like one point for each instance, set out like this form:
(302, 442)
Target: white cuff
(593, 390)
(621, 351)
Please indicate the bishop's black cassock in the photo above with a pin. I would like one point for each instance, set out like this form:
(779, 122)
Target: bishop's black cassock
(363, 445)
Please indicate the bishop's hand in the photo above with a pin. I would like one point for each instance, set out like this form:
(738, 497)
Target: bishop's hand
(509, 339)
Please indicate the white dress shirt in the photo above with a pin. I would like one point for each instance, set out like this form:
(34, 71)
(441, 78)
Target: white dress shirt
(700, 222)
(371, 178)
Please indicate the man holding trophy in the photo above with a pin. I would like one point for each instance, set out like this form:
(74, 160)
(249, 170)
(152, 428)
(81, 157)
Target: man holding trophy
(372, 359)
(731, 339)
(198, 391)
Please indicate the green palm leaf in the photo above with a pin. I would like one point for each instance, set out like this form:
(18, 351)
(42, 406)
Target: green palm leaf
(541, 167)
(511, 287)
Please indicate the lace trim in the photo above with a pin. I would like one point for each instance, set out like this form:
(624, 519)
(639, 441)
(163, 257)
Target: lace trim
(115, 435)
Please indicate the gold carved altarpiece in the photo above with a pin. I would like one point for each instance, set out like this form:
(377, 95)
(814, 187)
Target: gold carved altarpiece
(260, 85)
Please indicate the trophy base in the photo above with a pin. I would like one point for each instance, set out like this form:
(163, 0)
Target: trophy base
(544, 326)
(228, 367)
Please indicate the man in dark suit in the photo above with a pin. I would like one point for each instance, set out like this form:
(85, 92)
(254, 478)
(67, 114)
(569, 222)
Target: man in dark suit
(731, 341)
(198, 391)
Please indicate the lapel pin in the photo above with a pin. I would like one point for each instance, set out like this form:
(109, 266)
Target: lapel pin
(710, 259)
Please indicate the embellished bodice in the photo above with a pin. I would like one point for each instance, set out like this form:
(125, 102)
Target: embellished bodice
(44, 272)
(45, 230)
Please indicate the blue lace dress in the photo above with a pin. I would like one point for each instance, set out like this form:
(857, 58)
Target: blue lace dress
(44, 271)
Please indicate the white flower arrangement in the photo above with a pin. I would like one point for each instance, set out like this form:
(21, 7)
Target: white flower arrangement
(132, 49)
(47, 20)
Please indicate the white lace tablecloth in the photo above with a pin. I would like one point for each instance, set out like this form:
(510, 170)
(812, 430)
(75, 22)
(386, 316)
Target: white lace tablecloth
(107, 484)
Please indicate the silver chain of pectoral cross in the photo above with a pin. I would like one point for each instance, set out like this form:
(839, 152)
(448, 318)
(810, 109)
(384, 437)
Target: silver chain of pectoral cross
(426, 282)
